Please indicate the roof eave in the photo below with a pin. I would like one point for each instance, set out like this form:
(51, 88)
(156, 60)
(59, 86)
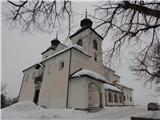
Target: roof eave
(82, 29)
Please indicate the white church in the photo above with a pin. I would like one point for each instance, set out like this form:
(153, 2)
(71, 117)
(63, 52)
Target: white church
(74, 76)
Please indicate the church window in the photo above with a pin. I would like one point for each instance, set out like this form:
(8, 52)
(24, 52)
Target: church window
(79, 42)
(61, 65)
(95, 56)
(115, 98)
(95, 45)
(110, 97)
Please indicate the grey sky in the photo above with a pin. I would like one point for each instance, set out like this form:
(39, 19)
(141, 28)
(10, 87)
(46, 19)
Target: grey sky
(22, 50)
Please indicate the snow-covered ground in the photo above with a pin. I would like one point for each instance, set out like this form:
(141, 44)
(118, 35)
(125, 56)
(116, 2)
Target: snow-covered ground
(28, 110)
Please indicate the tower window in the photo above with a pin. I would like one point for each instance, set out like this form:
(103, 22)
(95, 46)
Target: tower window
(95, 44)
(95, 56)
(61, 65)
(79, 42)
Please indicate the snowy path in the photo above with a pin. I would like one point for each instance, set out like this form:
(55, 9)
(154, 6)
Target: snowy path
(124, 113)
(29, 111)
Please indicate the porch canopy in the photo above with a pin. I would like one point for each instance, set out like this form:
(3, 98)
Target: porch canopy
(111, 87)
(89, 73)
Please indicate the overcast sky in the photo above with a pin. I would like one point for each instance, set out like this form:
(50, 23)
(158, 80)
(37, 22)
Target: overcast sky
(21, 50)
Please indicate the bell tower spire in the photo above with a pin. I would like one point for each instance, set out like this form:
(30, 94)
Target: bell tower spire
(86, 13)
(57, 35)
(86, 22)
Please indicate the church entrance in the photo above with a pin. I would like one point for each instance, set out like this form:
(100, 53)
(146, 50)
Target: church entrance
(93, 95)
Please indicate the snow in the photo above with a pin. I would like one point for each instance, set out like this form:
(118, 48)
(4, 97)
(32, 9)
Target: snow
(89, 73)
(22, 106)
(29, 111)
(111, 87)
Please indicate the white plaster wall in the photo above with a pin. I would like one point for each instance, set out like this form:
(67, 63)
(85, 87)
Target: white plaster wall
(54, 85)
(79, 60)
(78, 93)
(101, 88)
(87, 37)
(128, 92)
(28, 86)
(107, 73)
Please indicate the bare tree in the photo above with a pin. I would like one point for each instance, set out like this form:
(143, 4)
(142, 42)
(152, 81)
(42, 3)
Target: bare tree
(4, 100)
(38, 15)
(147, 65)
(129, 20)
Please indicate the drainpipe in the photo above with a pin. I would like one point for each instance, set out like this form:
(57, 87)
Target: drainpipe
(123, 95)
(67, 97)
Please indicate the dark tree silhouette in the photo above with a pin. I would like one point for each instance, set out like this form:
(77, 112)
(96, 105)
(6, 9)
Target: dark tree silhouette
(129, 20)
(39, 14)
(4, 101)
(147, 66)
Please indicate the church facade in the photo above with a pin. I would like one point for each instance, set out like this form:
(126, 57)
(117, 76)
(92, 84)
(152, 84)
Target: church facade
(74, 76)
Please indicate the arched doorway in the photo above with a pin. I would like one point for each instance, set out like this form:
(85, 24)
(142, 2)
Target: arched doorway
(93, 95)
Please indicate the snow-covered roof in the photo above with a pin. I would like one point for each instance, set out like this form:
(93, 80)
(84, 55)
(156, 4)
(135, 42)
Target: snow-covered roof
(125, 86)
(86, 72)
(111, 87)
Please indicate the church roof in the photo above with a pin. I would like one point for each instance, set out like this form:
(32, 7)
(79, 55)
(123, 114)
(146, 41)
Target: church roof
(89, 73)
(76, 47)
(84, 28)
(111, 87)
(124, 86)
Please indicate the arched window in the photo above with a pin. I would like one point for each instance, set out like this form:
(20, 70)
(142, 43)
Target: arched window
(110, 97)
(115, 98)
(79, 42)
(61, 65)
(95, 56)
(95, 44)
